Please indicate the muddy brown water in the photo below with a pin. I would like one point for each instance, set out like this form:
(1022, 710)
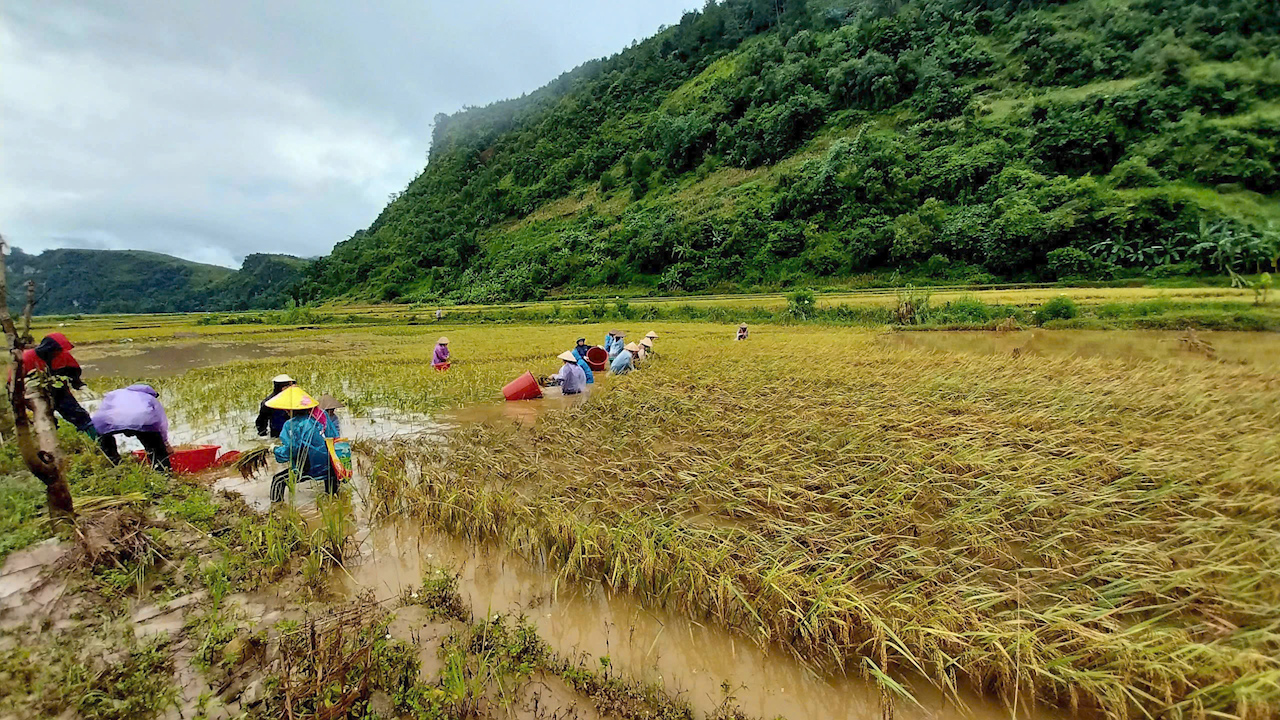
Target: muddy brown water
(165, 360)
(693, 660)
(1256, 349)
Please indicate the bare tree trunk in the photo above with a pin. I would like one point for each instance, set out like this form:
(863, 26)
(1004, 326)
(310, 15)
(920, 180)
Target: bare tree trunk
(38, 433)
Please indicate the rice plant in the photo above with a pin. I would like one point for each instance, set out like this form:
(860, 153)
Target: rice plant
(1096, 534)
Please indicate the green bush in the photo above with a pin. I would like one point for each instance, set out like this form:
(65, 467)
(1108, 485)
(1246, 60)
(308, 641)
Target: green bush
(1059, 308)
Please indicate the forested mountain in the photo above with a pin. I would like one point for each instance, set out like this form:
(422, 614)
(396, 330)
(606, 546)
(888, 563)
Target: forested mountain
(118, 281)
(769, 141)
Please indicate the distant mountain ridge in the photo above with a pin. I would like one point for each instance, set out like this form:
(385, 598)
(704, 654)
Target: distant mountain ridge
(75, 281)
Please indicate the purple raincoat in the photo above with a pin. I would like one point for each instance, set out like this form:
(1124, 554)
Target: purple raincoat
(441, 355)
(133, 408)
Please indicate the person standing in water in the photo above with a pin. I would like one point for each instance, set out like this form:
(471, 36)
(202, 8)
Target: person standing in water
(441, 355)
(302, 444)
(270, 420)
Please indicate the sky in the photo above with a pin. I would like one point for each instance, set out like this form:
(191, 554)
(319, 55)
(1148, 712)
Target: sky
(212, 130)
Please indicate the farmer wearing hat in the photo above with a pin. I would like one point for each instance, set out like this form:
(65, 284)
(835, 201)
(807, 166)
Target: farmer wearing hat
(571, 379)
(580, 350)
(625, 361)
(646, 347)
(271, 420)
(651, 335)
(742, 331)
(618, 346)
(441, 356)
(302, 443)
(327, 414)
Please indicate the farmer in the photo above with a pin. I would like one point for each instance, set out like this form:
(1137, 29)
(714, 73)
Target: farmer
(625, 361)
(134, 412)
(608, 341)
(618, 347)
(270, 420)
(646, 349)
(742, 331)
(571, 379)
(53, 355)
(327, 414)
(581, 348)
(302, 443)
(651, 335)
(441, 356)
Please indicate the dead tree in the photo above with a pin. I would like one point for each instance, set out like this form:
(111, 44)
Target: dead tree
(29, 397)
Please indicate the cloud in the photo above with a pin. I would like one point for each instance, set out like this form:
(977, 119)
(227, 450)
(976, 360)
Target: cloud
(215, 130)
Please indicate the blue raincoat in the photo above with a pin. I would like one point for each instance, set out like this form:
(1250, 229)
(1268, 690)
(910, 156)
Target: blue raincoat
(304, 447)
(622, 364)
(586, 369)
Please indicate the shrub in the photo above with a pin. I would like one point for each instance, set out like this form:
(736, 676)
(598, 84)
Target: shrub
(1175, 270)
(1136, 173)
(1059, 308)
(800, 304)
(1070, 262)
(963, 311)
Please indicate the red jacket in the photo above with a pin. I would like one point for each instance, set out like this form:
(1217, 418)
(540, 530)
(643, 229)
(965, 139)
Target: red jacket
(58, 347)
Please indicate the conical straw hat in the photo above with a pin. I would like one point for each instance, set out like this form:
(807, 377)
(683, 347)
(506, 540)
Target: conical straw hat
(652, 335)
(567, 357)
(632, 347)
(443, 341)
(292, 398)
(647, 342)
(329, 402)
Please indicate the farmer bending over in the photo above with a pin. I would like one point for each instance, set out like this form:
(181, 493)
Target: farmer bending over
(441, 355)
(134, 412)
(625, 361)
(53, 355)
(302, 443)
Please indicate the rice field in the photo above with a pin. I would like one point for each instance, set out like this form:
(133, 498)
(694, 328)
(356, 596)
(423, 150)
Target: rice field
(1096, 533)
(96, 329)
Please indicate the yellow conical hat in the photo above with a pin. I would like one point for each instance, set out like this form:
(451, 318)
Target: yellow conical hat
(292, 398)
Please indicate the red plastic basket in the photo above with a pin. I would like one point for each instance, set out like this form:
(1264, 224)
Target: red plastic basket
(524, 387)
(191, 459)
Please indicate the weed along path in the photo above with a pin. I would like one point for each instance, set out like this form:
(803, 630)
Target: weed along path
(814, 523)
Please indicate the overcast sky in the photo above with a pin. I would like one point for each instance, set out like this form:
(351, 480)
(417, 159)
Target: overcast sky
(211, 130)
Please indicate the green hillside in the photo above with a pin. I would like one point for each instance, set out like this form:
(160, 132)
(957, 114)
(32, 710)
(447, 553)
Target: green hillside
(770, 142)
(134, 281)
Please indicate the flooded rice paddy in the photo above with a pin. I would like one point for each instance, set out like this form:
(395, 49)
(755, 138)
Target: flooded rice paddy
(698, 661)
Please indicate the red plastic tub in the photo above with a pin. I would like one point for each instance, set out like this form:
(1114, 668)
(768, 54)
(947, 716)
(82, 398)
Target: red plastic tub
(596, 358)
(189, 459)
(440, 367)
(524, 387)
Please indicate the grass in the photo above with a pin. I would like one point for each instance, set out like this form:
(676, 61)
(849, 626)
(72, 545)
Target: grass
(1096, 534)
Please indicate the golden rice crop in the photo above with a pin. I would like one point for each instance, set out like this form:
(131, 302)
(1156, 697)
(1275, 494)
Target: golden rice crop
(1099, 534)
